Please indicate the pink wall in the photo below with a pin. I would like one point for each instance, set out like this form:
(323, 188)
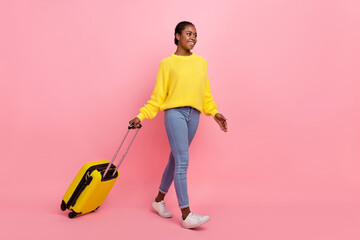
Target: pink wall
(285, 74)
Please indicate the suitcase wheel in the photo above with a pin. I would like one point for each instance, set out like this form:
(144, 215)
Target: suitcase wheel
(72, 214)
(63, 206)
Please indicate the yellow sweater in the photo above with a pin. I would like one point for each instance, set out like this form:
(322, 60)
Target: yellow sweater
(181, 81)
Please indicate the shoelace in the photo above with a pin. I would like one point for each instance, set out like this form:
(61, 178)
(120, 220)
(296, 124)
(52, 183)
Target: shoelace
(195, 216)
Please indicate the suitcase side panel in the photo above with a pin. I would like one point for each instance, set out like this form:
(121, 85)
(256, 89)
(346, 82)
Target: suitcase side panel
(74, 184)
(94, 194)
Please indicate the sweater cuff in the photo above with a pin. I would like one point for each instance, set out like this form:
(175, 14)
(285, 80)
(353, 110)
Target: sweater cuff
(141, 116)
(214, 112)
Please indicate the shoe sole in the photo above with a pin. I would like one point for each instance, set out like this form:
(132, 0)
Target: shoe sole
(197, 225)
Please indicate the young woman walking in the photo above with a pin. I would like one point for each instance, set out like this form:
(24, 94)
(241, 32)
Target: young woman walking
(182, 91)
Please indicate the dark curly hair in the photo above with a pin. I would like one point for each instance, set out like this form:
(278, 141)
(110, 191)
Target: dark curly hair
(179, 27)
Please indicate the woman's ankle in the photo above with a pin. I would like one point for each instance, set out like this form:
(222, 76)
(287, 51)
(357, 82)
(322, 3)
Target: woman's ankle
(160, 197)
(185, 212)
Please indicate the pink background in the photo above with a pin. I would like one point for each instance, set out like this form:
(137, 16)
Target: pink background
(285, 74)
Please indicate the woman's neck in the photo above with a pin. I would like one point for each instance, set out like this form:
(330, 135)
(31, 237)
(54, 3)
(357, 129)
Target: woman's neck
(183, 52)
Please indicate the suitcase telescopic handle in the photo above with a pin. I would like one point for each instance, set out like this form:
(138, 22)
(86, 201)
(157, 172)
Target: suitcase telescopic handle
(131, 126)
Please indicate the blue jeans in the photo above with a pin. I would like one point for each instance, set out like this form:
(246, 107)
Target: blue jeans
(181, 125)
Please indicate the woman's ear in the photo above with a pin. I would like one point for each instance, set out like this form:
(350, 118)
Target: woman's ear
(177, 35)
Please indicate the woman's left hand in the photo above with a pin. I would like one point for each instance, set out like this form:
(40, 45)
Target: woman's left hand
(221, 120)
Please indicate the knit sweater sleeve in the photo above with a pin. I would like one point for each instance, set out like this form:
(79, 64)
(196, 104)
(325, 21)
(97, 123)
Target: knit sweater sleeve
(158, 95)
(209, 105)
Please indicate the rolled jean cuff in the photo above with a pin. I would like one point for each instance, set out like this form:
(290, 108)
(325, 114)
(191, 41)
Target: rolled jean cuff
(163, 192)
(185, 206)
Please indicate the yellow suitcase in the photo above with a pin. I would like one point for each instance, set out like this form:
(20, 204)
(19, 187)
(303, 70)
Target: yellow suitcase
(92, 184)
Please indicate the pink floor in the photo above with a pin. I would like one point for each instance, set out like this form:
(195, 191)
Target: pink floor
(35, 214)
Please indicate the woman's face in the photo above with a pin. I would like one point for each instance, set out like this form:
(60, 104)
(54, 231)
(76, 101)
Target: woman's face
(187, 38)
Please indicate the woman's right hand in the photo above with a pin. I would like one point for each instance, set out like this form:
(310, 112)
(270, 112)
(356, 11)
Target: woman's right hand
(136, 122)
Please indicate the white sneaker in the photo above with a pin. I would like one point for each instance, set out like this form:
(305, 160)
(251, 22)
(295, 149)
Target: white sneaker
(160, 208)
(193, 220)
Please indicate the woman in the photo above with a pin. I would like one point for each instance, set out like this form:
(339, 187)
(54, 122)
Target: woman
(182, 90)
